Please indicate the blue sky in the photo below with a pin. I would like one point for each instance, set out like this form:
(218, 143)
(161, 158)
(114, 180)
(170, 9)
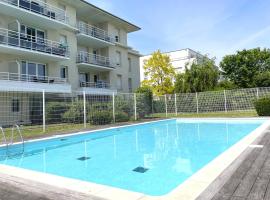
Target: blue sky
(211, 27)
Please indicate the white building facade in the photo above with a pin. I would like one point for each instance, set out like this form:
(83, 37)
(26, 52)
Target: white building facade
(180, 59)
(64, 46)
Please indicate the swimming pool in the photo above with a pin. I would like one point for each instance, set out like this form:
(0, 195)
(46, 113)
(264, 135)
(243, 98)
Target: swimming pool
(151, 158)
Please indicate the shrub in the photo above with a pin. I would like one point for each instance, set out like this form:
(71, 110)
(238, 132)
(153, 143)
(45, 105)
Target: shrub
(121, 117)
(144, 101)
(55, 110)
(262, 106)
(74, 114)
(100, 118)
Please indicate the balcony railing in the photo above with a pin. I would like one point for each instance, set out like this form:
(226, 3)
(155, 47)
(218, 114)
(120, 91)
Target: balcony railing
(94, 32)
(85, 57)
(41, 8)
(28, 42)
(6, 76)
(99, 84)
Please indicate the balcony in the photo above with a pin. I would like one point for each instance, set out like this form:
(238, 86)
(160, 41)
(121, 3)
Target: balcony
(98, 62)
(24, 82)
(23, 45)
(93, 36)
(44, 15)
(100, 87)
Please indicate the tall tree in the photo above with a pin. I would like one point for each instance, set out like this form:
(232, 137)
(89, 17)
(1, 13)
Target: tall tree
(244, 67)
(202, 76)
(160, 74)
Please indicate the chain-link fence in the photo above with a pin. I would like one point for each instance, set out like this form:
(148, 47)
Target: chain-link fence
(53, 112)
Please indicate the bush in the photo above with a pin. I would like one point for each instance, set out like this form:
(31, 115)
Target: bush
(262, 106)
(121, 117)
(100, 118)
(74, 114)
(144, 101)
(55, 110)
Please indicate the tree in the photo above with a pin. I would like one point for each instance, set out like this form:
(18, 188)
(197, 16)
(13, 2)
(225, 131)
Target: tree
(243, 67)
(262, 79)
(200, 77)
(160, 74)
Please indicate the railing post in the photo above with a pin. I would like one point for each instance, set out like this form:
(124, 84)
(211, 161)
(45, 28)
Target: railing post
(43, 111)
(84, 110)
(113, 102)
(166, 108)
(225, 101)
(197, 103)
(135, 107)
(257, 93)
(175, 104)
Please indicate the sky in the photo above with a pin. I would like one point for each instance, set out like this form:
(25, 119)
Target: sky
(213, 27)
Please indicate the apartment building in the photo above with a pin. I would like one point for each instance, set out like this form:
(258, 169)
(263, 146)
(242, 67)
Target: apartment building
(180, 59)
(61, 46)
(64, 46)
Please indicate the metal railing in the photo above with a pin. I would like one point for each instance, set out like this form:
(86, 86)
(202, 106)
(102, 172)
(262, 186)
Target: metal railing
(99, 84)
(29, 42)
(41, 8)
(85, 57)
(31, 78)
(94, 32)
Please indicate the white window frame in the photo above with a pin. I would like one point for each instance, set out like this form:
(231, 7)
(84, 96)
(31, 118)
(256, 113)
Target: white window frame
(27, 62)
(18, 103)
(66, 71)
(119, 87)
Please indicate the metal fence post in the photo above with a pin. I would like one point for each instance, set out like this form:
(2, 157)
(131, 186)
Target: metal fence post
(84, 109)
(166, 108)
(197, 103)
(257, 93)
(135, 107)
(113, 101)
(43, 111)
(175, 104)
(225, 101)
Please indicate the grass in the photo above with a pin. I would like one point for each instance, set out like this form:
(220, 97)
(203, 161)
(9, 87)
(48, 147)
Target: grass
(30, 132)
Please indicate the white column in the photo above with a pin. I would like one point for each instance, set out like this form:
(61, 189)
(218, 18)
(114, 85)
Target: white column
(44, 111)
(257, 93)
(166, 106)
(84, 110)
(175, 104)
(113, 107)
(197, 103)
(135, 107)
(225, 101)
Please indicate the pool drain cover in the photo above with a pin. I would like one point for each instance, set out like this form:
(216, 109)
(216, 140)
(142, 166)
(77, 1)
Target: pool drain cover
(63, 139)
(140, 170)
(83, 158)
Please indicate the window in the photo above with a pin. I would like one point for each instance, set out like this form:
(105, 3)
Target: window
(84, 78)
(33, 70)
(130, 85)
(15, 105)
(118, 58)
(129, 64)
(119, 82)
(30, 34)
(63, 72)
(117, 36)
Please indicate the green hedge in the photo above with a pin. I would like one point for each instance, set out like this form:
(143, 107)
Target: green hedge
(262, 106)
(100, 118)
(121, 117)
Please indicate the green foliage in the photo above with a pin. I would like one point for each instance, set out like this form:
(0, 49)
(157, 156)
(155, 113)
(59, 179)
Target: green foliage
(100, 118)
(225, 85)
(144, 100)
(74, 114)
(55, 110)
(242, 67)
(160, 73)
(262, 106)
(121, 117)
(199, 78)
(262, 79)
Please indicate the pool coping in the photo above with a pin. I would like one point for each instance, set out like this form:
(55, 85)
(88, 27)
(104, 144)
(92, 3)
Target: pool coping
(190, 189)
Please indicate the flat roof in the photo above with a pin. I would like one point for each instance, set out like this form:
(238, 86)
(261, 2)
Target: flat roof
(177, 51)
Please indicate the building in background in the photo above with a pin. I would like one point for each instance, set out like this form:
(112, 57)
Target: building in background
(64, 46)
(180, 59)
(61, 47)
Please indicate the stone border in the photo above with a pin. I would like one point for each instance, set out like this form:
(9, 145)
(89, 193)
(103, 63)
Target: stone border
(190, 189)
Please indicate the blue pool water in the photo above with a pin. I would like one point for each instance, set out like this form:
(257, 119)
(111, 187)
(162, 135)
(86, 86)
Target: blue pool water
(165, 153)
